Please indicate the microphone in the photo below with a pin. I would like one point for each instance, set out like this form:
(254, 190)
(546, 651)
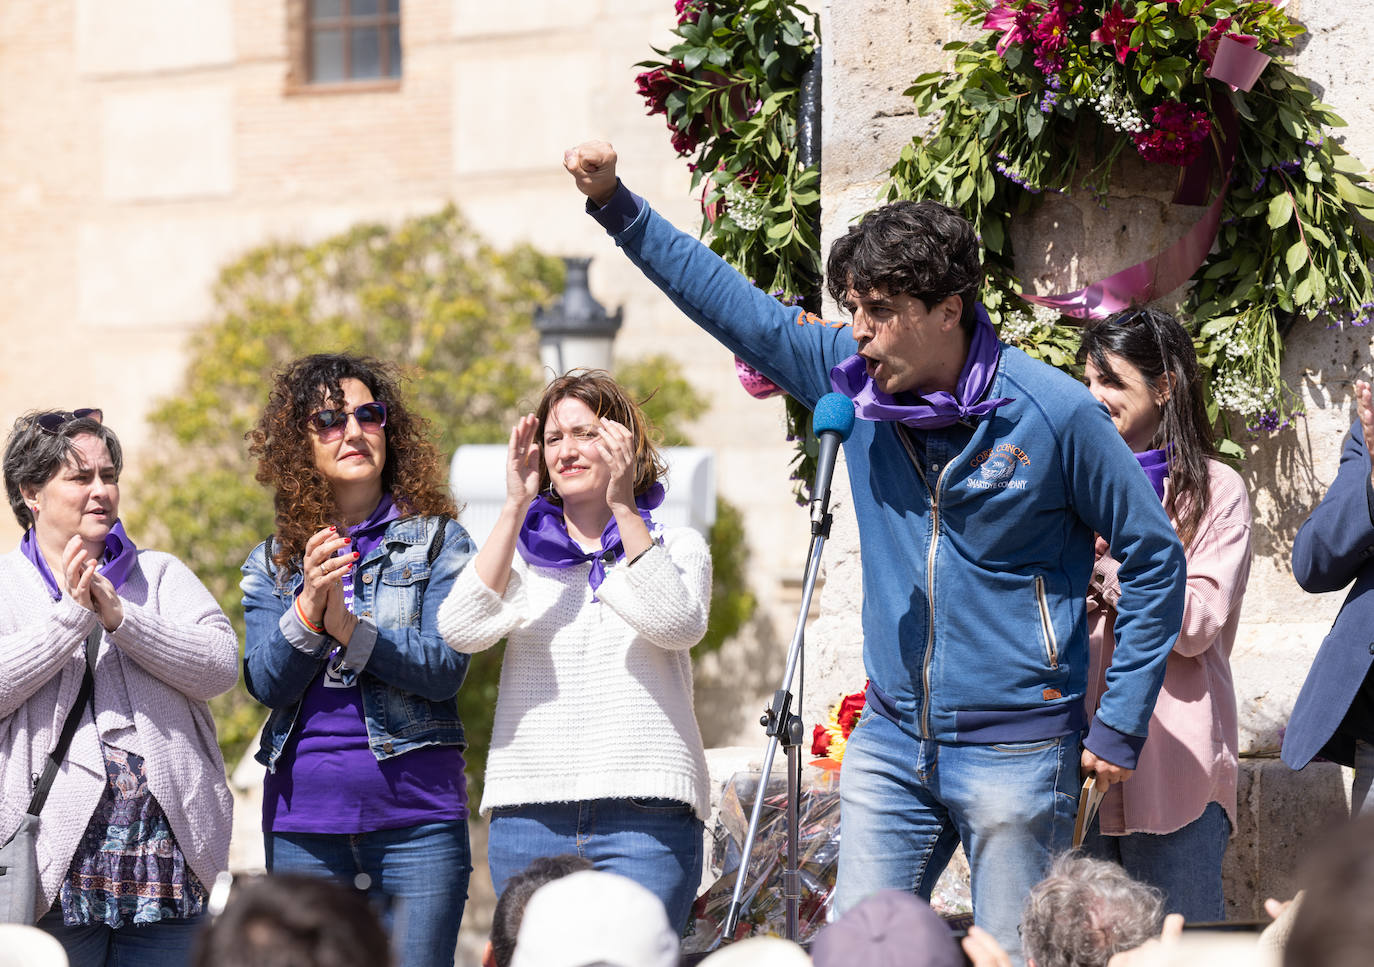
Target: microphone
(832, 421)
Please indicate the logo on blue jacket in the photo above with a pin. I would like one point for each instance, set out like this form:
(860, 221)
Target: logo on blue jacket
(996, 468)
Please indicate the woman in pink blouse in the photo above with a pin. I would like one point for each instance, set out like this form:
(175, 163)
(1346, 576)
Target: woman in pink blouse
(1169, 824)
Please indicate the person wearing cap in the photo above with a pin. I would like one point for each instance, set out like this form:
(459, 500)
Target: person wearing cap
(979, 478)
(890, 928)
(136, 825)
(595, 917)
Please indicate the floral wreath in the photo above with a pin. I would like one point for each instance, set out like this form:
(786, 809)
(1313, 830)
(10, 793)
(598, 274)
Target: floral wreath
(1048, 100)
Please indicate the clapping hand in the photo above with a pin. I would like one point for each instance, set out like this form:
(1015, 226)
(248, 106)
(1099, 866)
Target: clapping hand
(522, 463)
(88, 587)
(324, 571)
(616, 445)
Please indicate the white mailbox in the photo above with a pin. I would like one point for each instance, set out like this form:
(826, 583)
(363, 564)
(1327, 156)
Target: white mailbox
(477, 478)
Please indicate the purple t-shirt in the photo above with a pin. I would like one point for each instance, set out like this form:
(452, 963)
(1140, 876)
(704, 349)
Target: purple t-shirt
(328, 780)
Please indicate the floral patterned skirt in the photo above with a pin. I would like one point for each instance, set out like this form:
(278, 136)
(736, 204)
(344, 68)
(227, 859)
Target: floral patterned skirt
(128, 867)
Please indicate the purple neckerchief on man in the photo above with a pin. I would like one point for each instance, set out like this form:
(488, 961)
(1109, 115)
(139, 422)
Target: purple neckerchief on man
(1155, 463)
(931, 410)
(116, 563)
(544, 538)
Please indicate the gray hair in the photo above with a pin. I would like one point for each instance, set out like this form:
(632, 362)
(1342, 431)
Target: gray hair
(1085, 911)
(33, 456)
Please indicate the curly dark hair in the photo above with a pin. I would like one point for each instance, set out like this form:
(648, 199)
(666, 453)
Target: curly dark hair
(604, 397)
(1156, 343)
(281, 442)
(916, 248)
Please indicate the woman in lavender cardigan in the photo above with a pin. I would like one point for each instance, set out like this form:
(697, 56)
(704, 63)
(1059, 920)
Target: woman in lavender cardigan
(137, 824)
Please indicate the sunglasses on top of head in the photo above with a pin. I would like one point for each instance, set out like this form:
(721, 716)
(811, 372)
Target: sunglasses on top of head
(329, 424)
(54, 421)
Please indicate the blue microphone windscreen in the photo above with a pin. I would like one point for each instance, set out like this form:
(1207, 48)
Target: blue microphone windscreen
(834, 412)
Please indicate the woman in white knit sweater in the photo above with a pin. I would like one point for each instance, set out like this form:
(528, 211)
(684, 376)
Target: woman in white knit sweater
(595, 748)
(137, 824)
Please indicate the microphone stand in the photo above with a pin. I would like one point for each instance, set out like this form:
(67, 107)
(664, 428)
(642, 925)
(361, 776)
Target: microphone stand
(783, 725)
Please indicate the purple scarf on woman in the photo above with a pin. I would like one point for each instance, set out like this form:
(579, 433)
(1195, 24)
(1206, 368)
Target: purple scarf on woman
(117, 562)
(931, 410)
(1155, 463)
(544, 540)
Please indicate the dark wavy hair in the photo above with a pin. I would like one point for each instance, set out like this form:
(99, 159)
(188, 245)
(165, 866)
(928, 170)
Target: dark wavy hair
(916, 248)
(33, 456)
(1156, 343)
(606, 398)
(284, 449)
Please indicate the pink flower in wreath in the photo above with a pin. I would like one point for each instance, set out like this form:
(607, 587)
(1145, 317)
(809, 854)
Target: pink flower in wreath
(1016, 23)
(655, 86)
(1176, 135)
(1207, 46)
(1051, 37)
(1116, 31)
(688, 10)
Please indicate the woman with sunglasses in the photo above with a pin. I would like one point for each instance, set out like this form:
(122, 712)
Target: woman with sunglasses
(363, 749)
(595, 748)
(1169, 824)
(128, 645)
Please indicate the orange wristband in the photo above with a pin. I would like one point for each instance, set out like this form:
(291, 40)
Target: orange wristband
(300, 613)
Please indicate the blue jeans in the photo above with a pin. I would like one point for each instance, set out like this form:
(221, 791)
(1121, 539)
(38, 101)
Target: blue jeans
(166, 943)
(906, 803)
(1184, 865)
(655, 842)
(418, 879)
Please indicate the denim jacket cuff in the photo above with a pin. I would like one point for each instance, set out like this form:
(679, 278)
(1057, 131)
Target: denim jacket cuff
(299, 637)
(359, 650)
(1118, 748)
(620, 212)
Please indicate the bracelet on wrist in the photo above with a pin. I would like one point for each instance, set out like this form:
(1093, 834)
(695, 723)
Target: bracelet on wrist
(300, 613)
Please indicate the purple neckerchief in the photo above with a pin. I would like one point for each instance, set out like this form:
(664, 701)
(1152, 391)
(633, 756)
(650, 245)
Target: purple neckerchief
(544, 538)
(934, 409)
(120, 555)
(367, 535)
(1155, 463)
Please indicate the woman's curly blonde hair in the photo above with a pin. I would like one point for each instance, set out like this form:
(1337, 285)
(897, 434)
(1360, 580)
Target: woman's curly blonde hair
(281, 441)
(606, 398)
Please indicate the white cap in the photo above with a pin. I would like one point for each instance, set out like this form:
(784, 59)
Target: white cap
(23, 946)
(759, 952)
(594, 917)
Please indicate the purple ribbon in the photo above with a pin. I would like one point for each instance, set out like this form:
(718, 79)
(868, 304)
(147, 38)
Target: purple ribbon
(933, 410)
(1239, 66)
(544, 540)
(1155, 463)
(118, 560)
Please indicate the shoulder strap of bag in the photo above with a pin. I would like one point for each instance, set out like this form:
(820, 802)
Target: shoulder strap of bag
(436, 544)
(69, 727)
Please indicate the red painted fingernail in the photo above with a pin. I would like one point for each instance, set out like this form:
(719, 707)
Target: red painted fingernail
(348, 540)
(332, 528)
(355, 555)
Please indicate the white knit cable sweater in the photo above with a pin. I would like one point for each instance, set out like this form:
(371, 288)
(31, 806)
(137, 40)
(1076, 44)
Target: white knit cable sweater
(174, 650)
(596, 696)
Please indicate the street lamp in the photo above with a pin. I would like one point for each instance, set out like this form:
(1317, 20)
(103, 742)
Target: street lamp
(576, 331)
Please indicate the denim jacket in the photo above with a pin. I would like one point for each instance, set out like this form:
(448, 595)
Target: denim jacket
(409, 677)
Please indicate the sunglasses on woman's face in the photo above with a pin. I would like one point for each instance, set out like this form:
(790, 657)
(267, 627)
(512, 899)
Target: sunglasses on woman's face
(54, 421)
(330, 424)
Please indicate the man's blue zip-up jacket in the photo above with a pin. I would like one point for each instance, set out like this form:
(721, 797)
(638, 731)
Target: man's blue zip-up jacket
(976, 539)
